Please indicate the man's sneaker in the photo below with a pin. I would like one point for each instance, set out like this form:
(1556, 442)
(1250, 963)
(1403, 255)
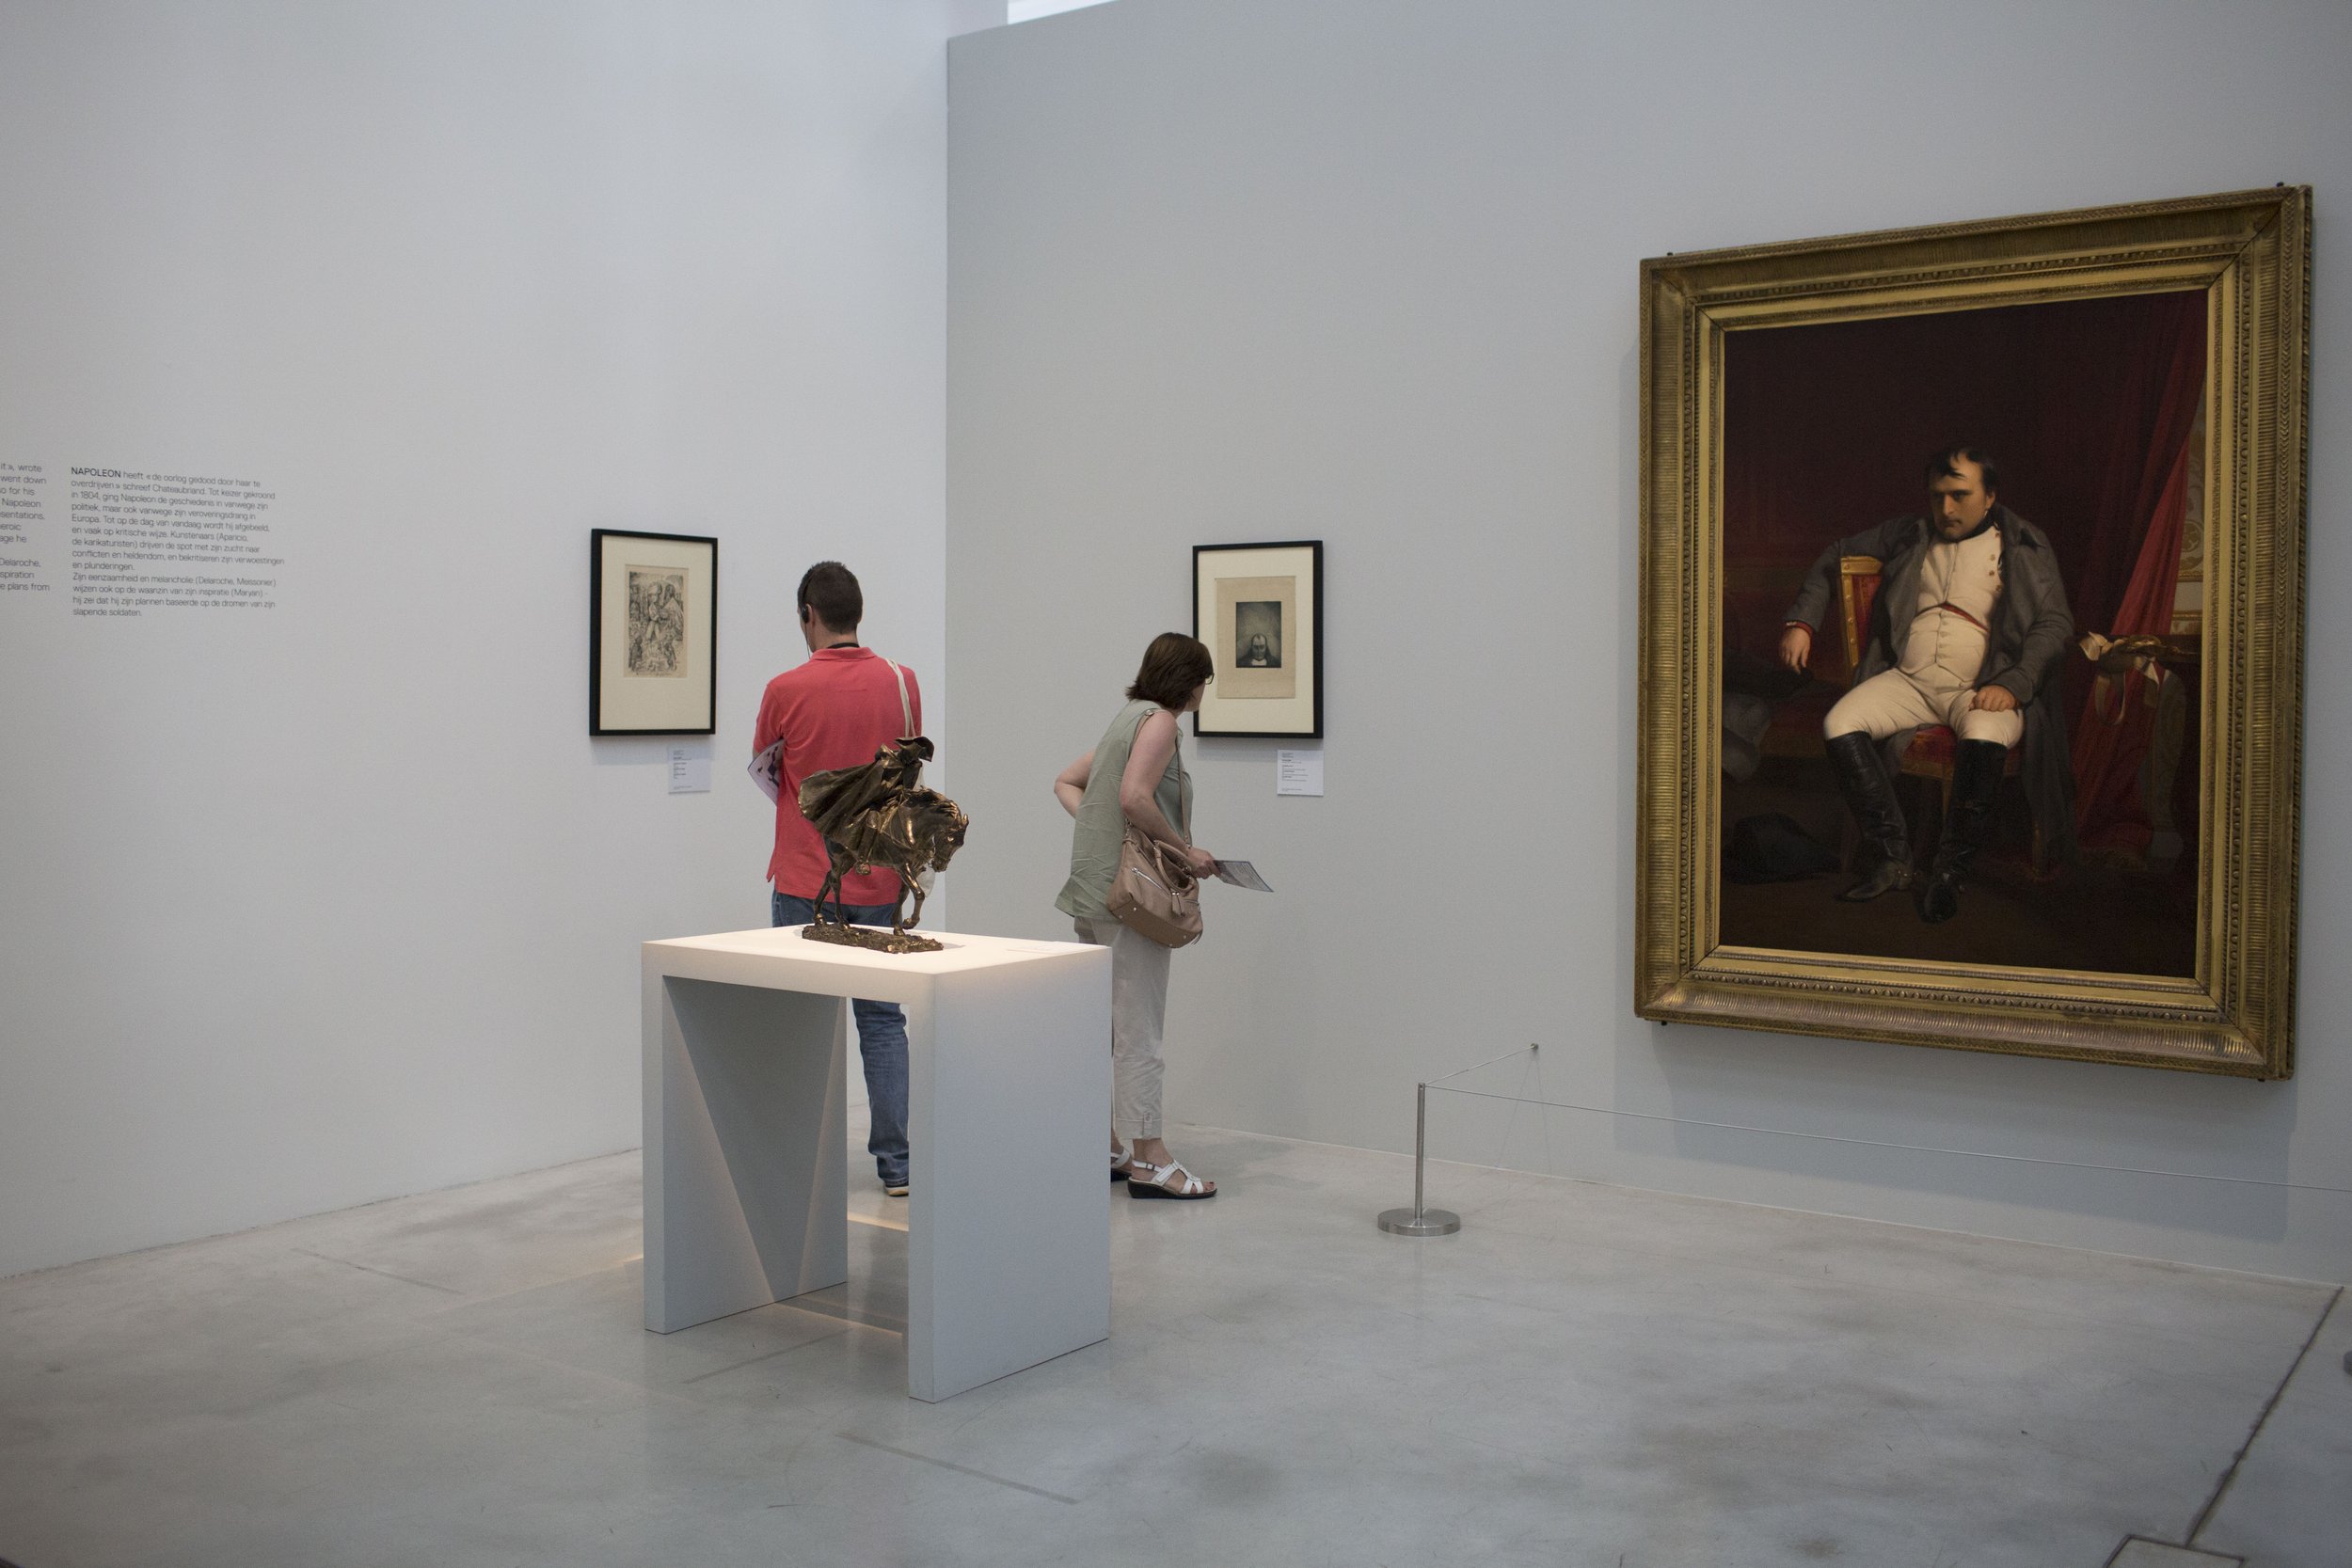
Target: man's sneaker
(896, 1189)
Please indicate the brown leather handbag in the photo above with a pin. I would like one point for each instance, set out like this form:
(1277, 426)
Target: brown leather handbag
(1154, 894)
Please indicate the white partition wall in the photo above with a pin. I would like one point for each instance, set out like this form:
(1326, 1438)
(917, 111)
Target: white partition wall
(315, 903)
(1225, 270)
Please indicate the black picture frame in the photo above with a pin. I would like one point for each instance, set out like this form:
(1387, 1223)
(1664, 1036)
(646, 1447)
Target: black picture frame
(1266, 650)
(679, 576)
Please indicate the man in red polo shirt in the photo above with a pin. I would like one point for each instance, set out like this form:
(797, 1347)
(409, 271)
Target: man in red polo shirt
(835, 711)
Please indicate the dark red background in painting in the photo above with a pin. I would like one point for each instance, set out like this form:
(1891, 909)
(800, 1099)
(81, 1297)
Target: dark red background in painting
(1827, 429)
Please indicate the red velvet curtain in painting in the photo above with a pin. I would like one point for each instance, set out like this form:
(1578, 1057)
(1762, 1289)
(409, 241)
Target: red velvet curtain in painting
(2087, 403)
(2110, 738)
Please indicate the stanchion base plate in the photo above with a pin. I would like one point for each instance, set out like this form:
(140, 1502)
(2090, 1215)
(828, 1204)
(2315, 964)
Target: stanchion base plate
(1430, 1222)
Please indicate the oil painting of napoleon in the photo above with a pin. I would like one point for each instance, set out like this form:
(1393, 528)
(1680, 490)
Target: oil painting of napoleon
(1962, 612)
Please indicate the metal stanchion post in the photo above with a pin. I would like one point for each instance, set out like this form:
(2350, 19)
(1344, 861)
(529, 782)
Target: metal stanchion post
(1418, 1220)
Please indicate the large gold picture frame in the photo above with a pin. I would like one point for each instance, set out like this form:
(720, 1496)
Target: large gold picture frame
(2229, 1005)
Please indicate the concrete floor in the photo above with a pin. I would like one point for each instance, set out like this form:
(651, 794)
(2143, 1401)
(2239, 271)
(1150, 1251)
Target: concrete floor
(1585, 1375)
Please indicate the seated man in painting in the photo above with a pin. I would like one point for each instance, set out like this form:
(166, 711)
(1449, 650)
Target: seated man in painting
(1967, 630)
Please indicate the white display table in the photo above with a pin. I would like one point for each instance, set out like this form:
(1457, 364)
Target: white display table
(746, 1047)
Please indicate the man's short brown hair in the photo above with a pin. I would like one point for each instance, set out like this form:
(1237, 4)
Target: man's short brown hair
(830, 590)
(1172, 666)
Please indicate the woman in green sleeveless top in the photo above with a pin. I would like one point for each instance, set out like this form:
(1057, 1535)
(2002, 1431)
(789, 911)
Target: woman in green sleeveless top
(1134, 777)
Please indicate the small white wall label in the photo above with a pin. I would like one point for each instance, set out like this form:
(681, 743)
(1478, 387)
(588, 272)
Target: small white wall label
(1298, 771)
(690, 771)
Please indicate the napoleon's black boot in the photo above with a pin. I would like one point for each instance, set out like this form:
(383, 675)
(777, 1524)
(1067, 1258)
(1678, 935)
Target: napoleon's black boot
(1870, 796)
(1976, 784)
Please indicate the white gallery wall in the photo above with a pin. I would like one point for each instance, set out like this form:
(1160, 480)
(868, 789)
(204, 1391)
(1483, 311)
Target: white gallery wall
(1365, 271)
(306, 904)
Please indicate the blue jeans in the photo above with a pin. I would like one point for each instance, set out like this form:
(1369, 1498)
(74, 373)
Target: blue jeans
(881, 1041)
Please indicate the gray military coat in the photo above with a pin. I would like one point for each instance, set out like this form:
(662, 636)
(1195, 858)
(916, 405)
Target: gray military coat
(2031, 629)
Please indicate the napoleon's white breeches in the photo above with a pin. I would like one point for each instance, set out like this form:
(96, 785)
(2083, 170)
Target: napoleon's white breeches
(1893, 700)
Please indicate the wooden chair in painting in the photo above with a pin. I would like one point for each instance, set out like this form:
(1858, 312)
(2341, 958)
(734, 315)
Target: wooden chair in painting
(1933, 748)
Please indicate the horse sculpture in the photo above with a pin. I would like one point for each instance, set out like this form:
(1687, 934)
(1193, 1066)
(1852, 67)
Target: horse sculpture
(874, 815)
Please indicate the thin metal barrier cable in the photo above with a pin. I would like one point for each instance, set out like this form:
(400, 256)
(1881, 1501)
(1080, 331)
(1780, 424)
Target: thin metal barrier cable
(1490, 1062)
(1874, 1143)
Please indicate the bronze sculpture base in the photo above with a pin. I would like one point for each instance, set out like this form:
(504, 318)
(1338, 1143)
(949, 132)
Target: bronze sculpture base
(869, 938)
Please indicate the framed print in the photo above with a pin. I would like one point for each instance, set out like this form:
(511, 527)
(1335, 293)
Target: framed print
(653, 633)
(1972, 634)
(1260, 609)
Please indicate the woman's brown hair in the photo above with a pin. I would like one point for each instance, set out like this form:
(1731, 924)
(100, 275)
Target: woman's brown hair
(1172, 666)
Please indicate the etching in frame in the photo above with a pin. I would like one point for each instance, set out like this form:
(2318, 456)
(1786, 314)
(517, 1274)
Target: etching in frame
(2226, 1006)
(653, 628)
(1259, 610)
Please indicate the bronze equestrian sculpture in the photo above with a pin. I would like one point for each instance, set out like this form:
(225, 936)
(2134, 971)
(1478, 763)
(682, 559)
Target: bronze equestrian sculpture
(874, 815)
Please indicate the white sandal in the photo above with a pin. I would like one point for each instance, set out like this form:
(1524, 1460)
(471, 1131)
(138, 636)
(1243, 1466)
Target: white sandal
(1146, 1179)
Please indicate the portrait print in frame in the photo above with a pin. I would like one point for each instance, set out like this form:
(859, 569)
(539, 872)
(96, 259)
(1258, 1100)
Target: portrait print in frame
(1259, 608)
(653, 604)
(1972, 634)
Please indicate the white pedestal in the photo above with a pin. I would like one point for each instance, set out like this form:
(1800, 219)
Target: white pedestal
(746, 1045)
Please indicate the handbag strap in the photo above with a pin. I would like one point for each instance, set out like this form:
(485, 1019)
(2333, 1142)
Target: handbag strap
(906, 709)
(1182, 821)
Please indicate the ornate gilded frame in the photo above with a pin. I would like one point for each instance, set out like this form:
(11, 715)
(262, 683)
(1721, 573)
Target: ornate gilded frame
(2250, 251)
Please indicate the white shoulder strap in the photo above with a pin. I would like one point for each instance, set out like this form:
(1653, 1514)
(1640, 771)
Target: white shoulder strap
(906, 709)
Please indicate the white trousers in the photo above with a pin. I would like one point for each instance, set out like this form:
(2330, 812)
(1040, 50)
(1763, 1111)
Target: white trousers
(1139, 1015)
(1893, 700)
